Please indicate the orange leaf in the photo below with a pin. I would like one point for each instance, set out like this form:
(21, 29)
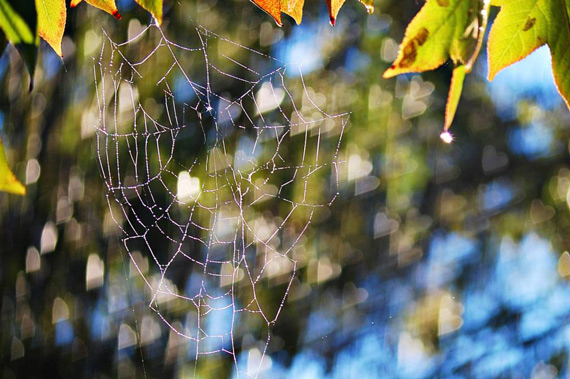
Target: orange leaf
(293, 8)
(334, 6)
(272, 8)
(51, 22)
(105, 5)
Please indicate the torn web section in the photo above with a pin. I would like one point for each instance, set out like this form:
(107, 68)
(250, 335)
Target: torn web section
(215, 162)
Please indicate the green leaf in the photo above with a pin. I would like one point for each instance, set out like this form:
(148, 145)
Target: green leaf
(438, 32)
(14, 26)
(51, 22)
(154, 7)
(444, 29)
(522, 26)
(477, 30)
(455, 89)
(8, 182)
(18, 21)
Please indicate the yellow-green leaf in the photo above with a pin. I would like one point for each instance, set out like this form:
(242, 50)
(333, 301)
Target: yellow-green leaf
(369, 5)
(51, 22)
(522, 26)
(108, 6)
(455, 89)
(154, 7)
(14, 26)
(444, 29)
(293, 8)
(439, 31)
(18, 22)
(482, 21)
(8, 182)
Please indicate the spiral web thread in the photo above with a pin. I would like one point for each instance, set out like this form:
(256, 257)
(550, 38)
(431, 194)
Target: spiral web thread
(213, 179)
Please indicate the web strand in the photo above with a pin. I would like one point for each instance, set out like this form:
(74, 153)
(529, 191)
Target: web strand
(211, 168)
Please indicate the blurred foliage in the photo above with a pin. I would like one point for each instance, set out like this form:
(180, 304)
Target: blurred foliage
(434, 260)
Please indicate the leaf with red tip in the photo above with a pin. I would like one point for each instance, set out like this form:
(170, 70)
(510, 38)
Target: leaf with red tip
(108, 6)
(51, 22)
(334, 7)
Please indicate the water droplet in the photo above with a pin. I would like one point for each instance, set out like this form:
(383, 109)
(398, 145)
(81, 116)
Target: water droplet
(446, 137)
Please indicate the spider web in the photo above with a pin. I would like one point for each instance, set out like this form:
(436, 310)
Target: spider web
(215, 167)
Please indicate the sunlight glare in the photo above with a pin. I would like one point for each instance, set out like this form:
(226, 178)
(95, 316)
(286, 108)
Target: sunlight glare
(446, 137)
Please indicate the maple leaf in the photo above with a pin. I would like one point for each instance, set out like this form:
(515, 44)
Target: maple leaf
(441, 30)
(522, 26)
(108, 6)
(8, 182)
(432, 37)
(294, 8)
(51, 22)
